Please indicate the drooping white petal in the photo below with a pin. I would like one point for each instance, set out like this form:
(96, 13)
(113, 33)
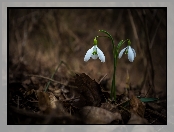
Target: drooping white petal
(130, 54)
(100, 55)
(134, 52)
(88, 54)
(121, 53)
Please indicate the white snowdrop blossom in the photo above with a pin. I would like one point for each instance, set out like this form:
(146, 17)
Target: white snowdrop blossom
(94, 52)
(131, 53)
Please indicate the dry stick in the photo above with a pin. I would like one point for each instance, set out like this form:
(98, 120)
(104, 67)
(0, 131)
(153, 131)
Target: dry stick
(144, 23)
(137, 38)
(56, 14)
(39, 76)
(148, 48)
(153, 20)
(134, 29)
(146, 73)
(123, 102)
(55, 72)
(151, 43)
(125, 109)
(102, 78)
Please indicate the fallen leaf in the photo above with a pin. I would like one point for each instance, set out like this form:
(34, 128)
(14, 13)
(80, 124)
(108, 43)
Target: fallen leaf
(97, 115)
(136, 119)
(44, 102)
(53, 101)
(89, 89)
(137, 106)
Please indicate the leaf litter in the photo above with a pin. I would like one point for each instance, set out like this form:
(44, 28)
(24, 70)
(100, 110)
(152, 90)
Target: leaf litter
(77, 99)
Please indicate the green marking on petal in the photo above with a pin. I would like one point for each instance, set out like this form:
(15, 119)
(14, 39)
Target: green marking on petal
(126, 52)
(94, 53)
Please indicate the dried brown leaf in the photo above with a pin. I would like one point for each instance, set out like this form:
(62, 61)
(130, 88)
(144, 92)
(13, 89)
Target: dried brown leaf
(96, 115)
(53, 101)
(136, 119)
(44, 101)
(89, 89)
(137, 106)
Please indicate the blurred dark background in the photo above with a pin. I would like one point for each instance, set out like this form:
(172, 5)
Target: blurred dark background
(40, 38)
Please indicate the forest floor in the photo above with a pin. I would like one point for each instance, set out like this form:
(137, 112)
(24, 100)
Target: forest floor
(74, 100)
(79, 92)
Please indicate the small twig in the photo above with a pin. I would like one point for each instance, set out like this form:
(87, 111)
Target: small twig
(39, 76)
(153, 20)
(148, 48)
(134, 29)
(151, 43)
(122, 102)
(102, 78)
(71, 99)
(125, 109)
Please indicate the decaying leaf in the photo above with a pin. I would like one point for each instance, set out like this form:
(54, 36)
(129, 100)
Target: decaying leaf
(109, 106)
(136, 119)
(137, 106)
(53, 101)
(89, 89)
(44, 101)
(96, 115)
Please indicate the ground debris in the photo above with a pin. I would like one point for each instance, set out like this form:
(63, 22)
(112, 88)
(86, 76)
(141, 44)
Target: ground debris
(97, 115)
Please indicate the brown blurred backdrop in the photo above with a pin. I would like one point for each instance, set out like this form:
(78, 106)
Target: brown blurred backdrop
(41, 38)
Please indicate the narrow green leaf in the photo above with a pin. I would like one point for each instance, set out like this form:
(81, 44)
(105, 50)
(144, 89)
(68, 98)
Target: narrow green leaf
(147, 99)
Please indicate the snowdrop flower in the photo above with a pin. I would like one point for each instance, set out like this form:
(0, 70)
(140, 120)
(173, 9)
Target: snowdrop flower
(130, 51)
(94, 52)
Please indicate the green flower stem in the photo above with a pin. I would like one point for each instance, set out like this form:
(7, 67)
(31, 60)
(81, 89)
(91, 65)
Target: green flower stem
(115, 53)
(113, 87)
